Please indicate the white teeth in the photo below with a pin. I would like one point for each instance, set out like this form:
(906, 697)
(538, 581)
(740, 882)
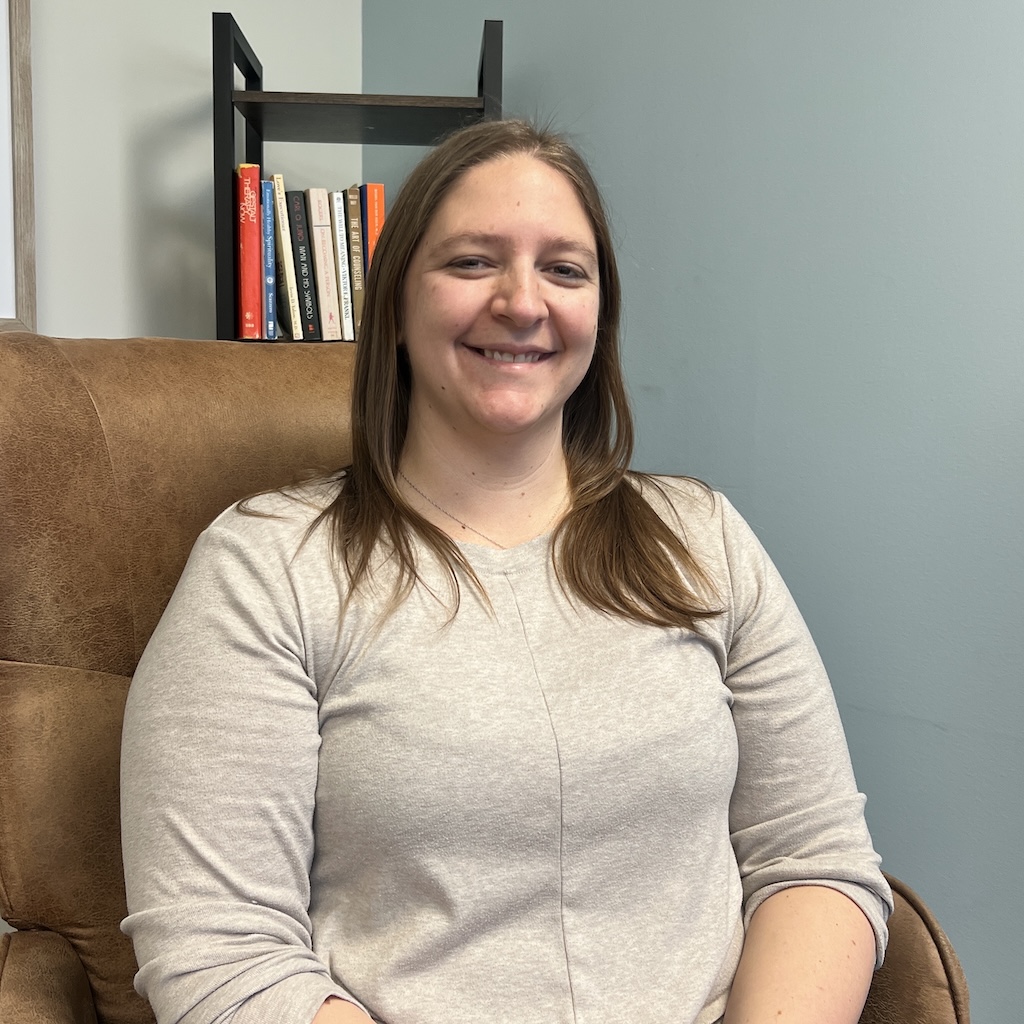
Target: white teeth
(508, 357)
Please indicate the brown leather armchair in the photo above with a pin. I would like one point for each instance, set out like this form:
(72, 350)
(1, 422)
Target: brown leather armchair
(114, 454)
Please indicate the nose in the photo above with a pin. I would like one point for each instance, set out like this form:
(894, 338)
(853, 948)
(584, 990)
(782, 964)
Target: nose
(519, 298)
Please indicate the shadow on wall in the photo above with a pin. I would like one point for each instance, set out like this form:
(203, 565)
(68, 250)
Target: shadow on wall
(170, 227)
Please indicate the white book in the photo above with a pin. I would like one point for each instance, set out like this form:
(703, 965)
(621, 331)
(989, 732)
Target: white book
(319, 212)
(338, 214)
(287, 286)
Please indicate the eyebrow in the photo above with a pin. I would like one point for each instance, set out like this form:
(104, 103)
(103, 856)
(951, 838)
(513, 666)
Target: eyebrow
(484, 238)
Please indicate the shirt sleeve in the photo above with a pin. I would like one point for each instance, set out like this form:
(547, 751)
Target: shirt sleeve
(218, 777)
(796, 815)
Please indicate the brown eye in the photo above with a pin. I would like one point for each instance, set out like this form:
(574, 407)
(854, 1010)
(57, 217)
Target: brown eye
(568, 272)
(468, 263)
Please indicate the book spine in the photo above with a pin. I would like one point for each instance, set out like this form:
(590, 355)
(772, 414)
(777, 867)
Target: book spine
(269, 261)
(348, 327)
(371, 197)
(250, 259)
(362, 231)
(287, 288)
(318, 212)
(309, 316)
(355, 253)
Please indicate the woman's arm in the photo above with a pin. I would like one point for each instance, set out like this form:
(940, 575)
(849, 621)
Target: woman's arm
(219, 772)
(807, 959)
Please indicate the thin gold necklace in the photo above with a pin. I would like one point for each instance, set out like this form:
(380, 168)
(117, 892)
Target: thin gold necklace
(466, 526)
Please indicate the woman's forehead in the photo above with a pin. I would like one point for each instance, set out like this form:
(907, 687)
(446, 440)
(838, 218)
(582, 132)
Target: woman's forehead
(511, 193)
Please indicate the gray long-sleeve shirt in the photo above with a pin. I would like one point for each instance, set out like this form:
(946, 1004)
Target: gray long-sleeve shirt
(535, 813)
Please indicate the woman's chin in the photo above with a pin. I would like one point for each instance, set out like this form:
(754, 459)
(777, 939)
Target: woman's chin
(518, 422)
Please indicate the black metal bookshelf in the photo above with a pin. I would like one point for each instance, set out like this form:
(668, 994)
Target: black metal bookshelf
(353, 118)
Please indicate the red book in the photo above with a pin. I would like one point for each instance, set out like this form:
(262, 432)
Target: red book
(250, 254)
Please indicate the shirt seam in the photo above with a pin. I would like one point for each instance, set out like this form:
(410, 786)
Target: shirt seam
(561, 802)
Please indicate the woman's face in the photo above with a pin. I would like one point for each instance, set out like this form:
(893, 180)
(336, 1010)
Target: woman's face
(501, 304)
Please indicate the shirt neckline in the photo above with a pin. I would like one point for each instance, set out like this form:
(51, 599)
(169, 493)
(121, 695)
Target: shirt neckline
(486, 560)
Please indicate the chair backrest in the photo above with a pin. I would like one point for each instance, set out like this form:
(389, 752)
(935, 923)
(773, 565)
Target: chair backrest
(114, 454)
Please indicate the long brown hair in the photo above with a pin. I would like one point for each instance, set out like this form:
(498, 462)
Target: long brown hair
(612, 550)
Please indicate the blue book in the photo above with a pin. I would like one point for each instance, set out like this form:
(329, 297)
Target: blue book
(269, 261)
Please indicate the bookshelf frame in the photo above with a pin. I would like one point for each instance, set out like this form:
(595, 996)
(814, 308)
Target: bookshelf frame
(351, 118)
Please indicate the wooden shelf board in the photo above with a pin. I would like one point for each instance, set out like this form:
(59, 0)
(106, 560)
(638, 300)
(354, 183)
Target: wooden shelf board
(355, 118)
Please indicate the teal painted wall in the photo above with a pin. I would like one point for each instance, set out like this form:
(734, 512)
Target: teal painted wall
(820, 220)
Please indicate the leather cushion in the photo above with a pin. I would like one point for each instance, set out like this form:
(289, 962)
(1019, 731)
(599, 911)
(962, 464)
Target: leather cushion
(42, 981)
(60, 844)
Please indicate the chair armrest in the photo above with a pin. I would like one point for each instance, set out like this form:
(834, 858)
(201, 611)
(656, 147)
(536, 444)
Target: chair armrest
(42, 981)
(921, 980)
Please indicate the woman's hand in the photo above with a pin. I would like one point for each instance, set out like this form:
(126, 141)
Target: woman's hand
(807, 959)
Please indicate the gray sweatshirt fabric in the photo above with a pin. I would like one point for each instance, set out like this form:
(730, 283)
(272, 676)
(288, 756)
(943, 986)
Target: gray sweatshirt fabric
(534, 812)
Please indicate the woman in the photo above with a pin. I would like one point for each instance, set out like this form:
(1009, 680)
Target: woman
(487, 727)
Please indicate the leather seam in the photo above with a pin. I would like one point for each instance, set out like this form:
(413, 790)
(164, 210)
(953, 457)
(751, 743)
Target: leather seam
(117, 495)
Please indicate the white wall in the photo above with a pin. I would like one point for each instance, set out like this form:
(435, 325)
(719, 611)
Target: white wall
(124, 151)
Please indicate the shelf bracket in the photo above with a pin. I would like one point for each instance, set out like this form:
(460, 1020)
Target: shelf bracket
(489, 77)
(231, 50)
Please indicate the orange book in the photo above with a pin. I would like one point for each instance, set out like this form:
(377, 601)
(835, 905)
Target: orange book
(250, 254)
(371, 201)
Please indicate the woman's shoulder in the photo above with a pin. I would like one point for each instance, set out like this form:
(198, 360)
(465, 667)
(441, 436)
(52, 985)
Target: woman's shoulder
(704, 517)
(277, 517)
(301, 501)
(685, 501)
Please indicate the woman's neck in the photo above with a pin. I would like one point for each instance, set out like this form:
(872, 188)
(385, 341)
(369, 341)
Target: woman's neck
(501, 496)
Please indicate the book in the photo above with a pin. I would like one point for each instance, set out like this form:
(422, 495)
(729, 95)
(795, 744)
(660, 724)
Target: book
(288, 314)
(269, 261)
(302, 255)
(250, 254)
(371, 208)
(340, 235)
(355, 252)
(318, 213)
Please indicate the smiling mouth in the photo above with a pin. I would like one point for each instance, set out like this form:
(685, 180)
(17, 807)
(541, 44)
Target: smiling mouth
(512, 357)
